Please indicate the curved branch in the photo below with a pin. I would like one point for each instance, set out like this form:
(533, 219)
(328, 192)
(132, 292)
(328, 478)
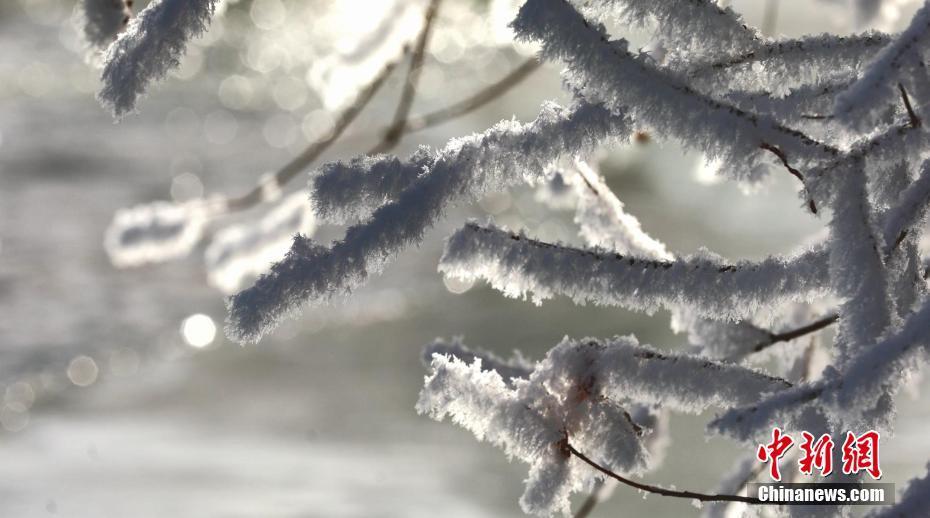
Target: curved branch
(797, 174)
(704, 497)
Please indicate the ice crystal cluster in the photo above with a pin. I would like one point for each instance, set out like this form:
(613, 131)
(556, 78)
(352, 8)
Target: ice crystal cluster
(844, 115)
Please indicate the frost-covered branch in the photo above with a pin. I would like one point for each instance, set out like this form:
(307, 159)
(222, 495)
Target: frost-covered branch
(519, 266)
(239, 253)
(528, 422)
(103, 20)
(856, 268)
(603, 70)
(695, 28)
(152, 45)
(604, 222)
(575, 394)
(155, 232)
(867, 380)
(507, 154)
(516, 367)
(784, 65)
(900, 62)
(909, 211)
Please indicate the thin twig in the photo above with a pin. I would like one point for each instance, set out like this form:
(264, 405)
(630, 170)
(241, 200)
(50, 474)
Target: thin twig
(787, 336)
(476, 101)
(704, 497)
(784, 160)
(915, 120)
(396, 130)
(439, 116)
(312, 152)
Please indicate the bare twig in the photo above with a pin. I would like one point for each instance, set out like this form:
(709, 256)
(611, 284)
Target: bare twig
(704, 497)
(915, 120)
(787, 336)
(784, 160)
(476, 101)
(312, 152)
(396, 130)
(439, 116)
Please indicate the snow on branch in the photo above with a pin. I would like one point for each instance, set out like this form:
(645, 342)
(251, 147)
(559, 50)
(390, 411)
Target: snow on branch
(867, 381)
(576, 392)
(880, 370)
(103, 20)
(627, 370)
(875, 153)
(744, 423)
(155, 232)
(343, 191)
(604, 222)
(856, 269)
(910, 209)
(899, 63)
(694, 28)
(716, 339)
(152, 45)
(605, 71)
(800, 105)
(518, 266)
(240, 252)
(507, 154)
(529, 421)
(783, 65)
(515, 367)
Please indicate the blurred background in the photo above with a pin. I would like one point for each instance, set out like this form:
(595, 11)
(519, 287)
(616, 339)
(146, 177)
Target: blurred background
(120, 396)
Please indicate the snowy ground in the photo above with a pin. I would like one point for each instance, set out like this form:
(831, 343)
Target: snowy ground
(318, 420)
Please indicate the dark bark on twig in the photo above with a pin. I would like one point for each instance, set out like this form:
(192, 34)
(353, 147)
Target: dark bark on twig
(787, 336)
(476, 101)
(914, 119)
(311, 153)
(315, 150)
(691, 495)
(797, 174)
(396, 130)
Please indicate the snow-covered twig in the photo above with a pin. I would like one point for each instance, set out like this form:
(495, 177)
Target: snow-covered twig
(519, 266)
(894, 65)
(151, 46)
(507, 154)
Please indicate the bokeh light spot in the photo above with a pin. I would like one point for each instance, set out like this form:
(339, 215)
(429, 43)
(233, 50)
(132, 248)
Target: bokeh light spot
(198, 330)
(82, 371)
